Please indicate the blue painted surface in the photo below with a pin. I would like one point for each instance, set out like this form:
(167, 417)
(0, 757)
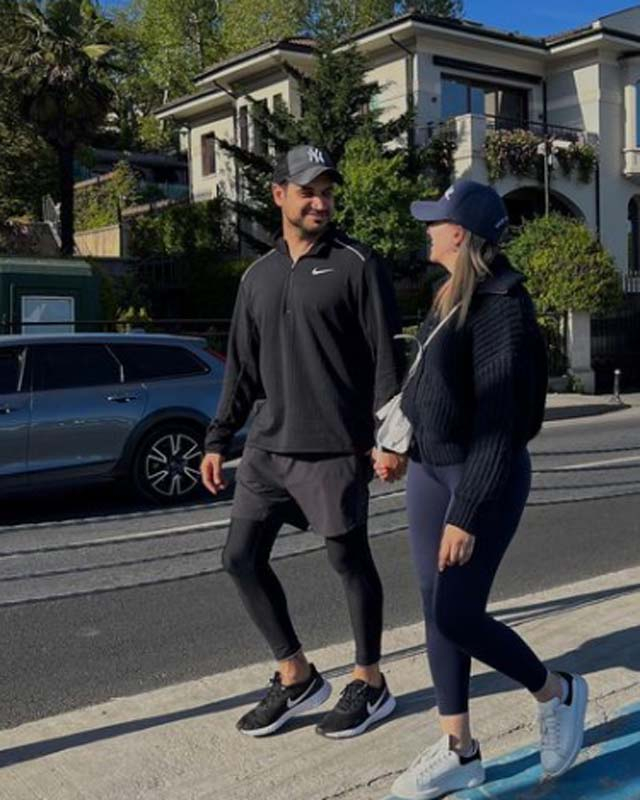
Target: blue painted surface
(608, 768)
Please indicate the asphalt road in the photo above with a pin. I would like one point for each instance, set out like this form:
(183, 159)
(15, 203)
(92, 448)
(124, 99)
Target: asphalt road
(100, 596)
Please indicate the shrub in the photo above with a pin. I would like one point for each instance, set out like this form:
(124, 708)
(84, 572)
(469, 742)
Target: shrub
(373, 203)
(180, 229)
(566, 267)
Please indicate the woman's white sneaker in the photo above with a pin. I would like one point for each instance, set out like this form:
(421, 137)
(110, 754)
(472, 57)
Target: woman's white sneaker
(437, 771)
(562, 726)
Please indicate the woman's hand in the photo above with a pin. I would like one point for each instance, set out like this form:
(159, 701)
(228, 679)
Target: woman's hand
(388, 467)
(456, 547)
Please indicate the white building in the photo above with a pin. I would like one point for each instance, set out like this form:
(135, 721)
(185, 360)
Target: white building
(582, 85)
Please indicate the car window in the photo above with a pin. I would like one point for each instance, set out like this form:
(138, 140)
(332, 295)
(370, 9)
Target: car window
(147, 361)
(67, 366)
(10, 369)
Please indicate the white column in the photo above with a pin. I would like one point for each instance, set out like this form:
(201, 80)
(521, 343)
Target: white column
(579, 349)
(469, 160)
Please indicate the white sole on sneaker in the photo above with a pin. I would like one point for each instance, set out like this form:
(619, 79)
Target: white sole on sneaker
(380, 713)
(581, 698)
(316, 699)
(475, 779)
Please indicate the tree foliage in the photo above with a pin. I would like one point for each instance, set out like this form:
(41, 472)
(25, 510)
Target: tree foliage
(336, 102)
(373, 203)
(178, 41)
(56, 57)
(437, 8)
(332, 20)
(566, 267)
(249, 23)
(28, 167)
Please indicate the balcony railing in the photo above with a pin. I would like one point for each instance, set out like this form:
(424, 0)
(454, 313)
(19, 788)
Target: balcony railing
(561, 133)
(631, 282)
(452, 126)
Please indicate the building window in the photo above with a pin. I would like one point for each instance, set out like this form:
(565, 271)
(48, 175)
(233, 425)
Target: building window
(462, 96)
(278, 102)
(259, 143)
(243, 124)
(43, 314)
(209, 154)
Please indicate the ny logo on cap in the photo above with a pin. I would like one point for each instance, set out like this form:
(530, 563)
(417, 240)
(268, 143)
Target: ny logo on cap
(315, 154)
(449, 192)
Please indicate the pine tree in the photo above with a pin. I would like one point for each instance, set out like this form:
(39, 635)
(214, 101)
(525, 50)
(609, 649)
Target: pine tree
(337, 108)
(435, 8)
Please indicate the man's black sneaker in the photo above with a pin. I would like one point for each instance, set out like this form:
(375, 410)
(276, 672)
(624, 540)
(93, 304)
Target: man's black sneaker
(359, 706)
(281, 703)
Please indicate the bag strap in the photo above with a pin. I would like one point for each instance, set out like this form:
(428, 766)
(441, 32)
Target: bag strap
(422, 346)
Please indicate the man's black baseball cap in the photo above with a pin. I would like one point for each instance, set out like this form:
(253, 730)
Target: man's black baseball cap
(303, 164)
(475, 206)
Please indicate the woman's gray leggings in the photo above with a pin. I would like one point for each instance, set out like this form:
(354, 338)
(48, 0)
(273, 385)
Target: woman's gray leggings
(455, 601)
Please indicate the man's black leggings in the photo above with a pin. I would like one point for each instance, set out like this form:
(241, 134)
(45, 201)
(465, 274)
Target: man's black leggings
(246, 559)
(455, 601)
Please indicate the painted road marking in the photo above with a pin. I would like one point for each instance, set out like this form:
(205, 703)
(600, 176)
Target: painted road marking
(592, 464)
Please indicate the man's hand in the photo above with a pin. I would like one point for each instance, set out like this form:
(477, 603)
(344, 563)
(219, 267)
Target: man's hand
(388, 467)
(456, 547)
(211, 472)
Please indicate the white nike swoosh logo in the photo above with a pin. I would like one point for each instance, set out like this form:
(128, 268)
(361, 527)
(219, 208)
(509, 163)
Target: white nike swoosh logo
(291, 703)
(371, 709)
(316, 271)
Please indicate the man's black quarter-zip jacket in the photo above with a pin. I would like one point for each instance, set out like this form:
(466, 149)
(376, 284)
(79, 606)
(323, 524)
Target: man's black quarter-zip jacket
(311, 345)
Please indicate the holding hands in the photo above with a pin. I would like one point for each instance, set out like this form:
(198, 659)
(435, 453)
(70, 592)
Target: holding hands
(388, 467)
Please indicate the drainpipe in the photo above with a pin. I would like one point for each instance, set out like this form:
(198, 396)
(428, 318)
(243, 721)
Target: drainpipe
(411, 133)
(596, 175)
(187, 125)
(546, 154)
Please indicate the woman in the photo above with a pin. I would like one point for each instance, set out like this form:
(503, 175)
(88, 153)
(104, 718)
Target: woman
(474, 403)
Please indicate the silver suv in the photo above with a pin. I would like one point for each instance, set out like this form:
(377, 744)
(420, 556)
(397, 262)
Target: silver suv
(91, 406)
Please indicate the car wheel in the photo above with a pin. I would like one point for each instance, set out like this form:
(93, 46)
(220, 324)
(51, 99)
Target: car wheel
(166, 467)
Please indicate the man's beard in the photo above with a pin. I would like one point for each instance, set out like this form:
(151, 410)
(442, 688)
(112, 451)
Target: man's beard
(317, 231)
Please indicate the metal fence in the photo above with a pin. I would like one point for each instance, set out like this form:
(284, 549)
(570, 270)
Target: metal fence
(216, 331)
(615, 344)
(554, 330)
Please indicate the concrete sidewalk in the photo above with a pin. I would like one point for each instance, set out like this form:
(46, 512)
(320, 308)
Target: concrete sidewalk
(180, 743)
(571, 406)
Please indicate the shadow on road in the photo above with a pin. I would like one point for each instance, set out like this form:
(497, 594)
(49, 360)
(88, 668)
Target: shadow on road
(92, 500)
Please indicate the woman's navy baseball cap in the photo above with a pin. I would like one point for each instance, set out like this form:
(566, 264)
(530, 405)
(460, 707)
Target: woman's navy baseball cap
(478, 208)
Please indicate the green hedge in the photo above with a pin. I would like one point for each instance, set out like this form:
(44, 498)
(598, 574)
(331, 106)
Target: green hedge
(566, 267)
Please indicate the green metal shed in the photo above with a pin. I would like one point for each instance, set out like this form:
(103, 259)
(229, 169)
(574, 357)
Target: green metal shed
(53, 292)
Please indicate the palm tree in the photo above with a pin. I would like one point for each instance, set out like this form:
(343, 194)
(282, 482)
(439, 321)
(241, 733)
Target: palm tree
(56, 53)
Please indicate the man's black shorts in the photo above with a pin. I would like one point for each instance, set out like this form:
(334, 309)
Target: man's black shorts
(328, 492)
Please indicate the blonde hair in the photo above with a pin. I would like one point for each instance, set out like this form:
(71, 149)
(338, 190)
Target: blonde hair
(472, 267)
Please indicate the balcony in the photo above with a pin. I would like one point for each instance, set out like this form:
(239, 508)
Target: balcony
(494, 147)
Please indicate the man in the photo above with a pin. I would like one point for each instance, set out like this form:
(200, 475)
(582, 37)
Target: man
(311, 345)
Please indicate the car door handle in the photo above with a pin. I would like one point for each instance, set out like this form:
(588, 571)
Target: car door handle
(122, 398)
(8, 409)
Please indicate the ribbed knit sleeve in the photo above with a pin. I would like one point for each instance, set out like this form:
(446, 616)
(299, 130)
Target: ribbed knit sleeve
(496, 341)
(242, 385)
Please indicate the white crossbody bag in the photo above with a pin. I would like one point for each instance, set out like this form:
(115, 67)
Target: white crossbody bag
(395, 430)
